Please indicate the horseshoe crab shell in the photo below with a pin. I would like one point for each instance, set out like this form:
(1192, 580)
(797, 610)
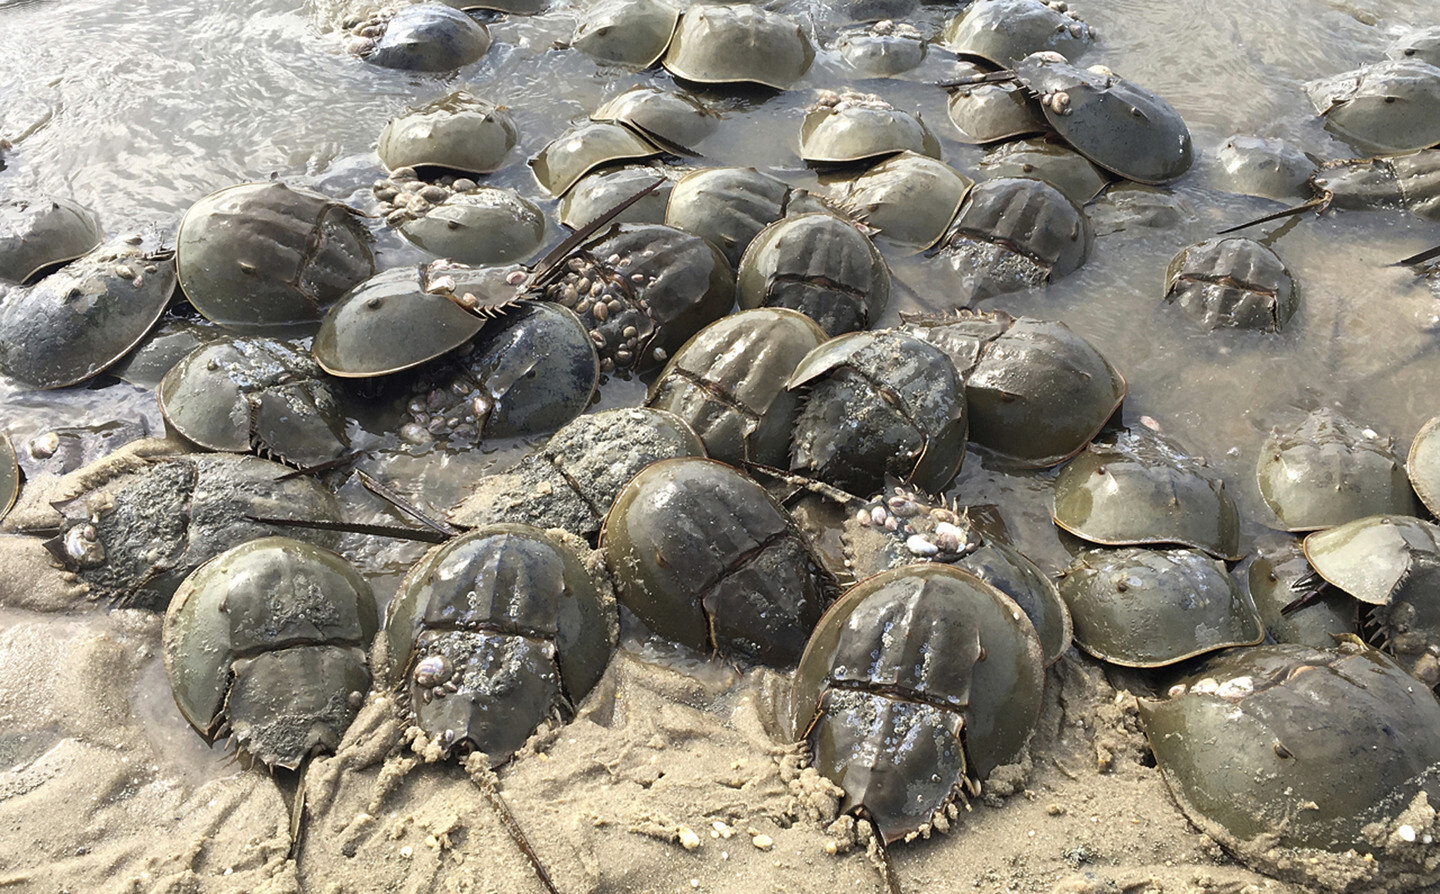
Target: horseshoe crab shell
(401, 317)
(42, 232)
(1280, 576)
(882, 50)
(1328, 470)
(1384, 108)
(1379, 559)
(738, 44)
(988, 113)
(266, 258)
(1003, 32)
(1423, 465)
(580, 149)
(1271, 169)
(599, 191)
(1422, 44)
(1232, 282)
(9, 474)
(1134, 487)
(909, 198)
(1036, 392)
(78, 321)
(1141, 607)
(727, 206)
(632, 33)
(459, 131)
(1120, 126)
(487, 225)
(850, 127)
(425, 37)
(1264, 743)
(1077, 178)
(668, 119)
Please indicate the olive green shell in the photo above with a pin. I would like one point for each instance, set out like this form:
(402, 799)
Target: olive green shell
(831, 135)
(632, 33)
(728, 383)
(909, 198)
(1077, 178)
(1028, 219)
(1422, 44)
(667, 118)
(486, 226)
(1271, 169)
(817, 264)
(1423, 465)
(267, 643)
(599, 191)
(1328, 470)
(1133, 487)
(404, 316)
(907, 640)
(881, 55)
(9, 474)
(1120, 126)
(1301, 747)
(264, 258)
(1280, 576)
(1410, 182)
(544, 632)
(727, 206)
(1232, 282)
(705, 557)
(991, 112)
(1035, 391)
(253, 393)
(1141, 607)
(427, 36)
(1379, 559)
(1383, 108)
(1003, 32)
(572, 480)
(568, 157)
(42, 232)
(738, 44)
(76, 322)
(459, 131)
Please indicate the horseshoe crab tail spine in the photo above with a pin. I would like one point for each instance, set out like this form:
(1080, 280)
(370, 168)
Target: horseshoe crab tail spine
(478, 766)
(1318, 203)
(1418, 258)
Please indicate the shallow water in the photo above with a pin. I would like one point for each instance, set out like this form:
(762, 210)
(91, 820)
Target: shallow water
(137, 110)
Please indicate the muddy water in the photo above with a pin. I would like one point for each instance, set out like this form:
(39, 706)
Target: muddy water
(139, 109)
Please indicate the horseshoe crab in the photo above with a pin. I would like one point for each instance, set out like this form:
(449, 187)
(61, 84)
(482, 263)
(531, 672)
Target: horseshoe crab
(1401, 182)
(666, 118)
(1271, 169)
(263, 258)
(43, 232)
(904, 527)
(596, 193)
(1422, 44)
(915, 685)
(1422, 465)
(1280, 580)
(632, 33)
(728, 383)
(459, 131)
(1134, 487)
(256, 394)
(1140, 607)
(493, 633)
(705, 557)
(883, 49)
(727, 206)
(131, 533)
(402, 317)
(1328, 470)
(431, 37)
(817, 264)
(738, 44)
(642, 291)
(1120, 126)
(571, 482)
(1013, 234)
(81, 319)
(1002, 32)
(1035, 392)
(1079, 179)
(1232, 282)
(484, 225)
(1240, 747)
(909, 198)
(1383, 108)
(9, 474)
(568, 157)
(266, 644)
(903, 407)
(991, 112)
(848, 126)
